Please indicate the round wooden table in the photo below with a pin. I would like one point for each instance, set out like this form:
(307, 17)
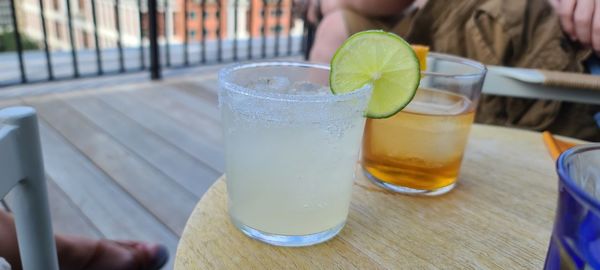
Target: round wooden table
(500, 215)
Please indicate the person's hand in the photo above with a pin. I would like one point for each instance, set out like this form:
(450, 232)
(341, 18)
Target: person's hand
(580, 20)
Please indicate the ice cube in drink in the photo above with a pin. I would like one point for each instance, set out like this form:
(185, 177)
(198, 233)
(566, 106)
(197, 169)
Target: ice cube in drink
(290, 155)
(421, 147)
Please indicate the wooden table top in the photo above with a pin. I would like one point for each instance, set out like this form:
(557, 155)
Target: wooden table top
(499, 216)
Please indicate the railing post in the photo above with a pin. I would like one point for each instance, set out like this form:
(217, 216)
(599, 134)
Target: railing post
(265, 27)
(72, 41)
(46, 48)
(117, 9)
(141, 17)
(167, 28)
(153, 37)
(96, 39)
(18, 41)
(308, 39)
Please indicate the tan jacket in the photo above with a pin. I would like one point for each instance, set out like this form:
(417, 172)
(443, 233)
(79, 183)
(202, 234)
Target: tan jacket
(519, 33)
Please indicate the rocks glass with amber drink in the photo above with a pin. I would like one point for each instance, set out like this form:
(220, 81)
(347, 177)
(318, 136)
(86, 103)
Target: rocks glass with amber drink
(419, 150)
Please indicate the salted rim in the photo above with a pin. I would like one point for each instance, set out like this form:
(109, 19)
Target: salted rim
(456, 59)
(225, 73)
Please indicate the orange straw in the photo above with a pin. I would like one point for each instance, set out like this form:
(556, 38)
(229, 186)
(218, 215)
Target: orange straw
(555, 146)
(551, 145)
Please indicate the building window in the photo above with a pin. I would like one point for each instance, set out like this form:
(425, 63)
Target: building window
(204, 14)
(218, 13)
(57, 30)
(175, 27)
(277, 12)
(191, 15)
(86, 40)
(192, 33)
(204, 32)
(276, 28)
(144, 24)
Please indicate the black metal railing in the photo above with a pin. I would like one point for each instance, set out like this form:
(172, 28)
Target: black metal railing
(197, 33)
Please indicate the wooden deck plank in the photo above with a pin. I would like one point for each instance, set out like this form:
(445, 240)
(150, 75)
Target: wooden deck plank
(201, 115)
(206, 89)
(9, 102)
(125, 161)
(192, 96)
(112, 213)
(111, 209)
(189, 172)
(165, 199)
(203, 105)
(187, 137)
(66, 217)
(114, 156)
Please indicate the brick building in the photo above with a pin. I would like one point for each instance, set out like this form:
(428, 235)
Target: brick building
(269, 15)
(212, 17)
(55, 13)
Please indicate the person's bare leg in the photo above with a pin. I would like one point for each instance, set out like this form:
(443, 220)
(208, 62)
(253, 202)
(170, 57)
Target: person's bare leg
(331, 33)
(370, 8)
(327, 7)
(76, 253)
(377, 8)
(312, 9)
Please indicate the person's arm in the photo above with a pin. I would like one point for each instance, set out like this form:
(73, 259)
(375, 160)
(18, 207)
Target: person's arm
(580, 20)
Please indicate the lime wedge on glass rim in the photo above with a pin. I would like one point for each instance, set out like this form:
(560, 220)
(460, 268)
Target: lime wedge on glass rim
(381, 59)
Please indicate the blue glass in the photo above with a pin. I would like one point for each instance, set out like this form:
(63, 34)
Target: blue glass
(575, 242)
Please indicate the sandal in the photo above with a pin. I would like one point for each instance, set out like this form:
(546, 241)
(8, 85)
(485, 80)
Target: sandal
(141, 256)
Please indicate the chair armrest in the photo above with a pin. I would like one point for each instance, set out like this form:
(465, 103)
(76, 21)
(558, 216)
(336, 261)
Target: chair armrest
(571, 80)
(9, 163)
(531, 83)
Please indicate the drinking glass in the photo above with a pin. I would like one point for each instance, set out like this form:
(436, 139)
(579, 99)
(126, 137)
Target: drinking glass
(575, 242)
(419, 150)
(291, 149)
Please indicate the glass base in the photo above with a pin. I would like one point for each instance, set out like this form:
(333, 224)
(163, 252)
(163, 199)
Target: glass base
(407, 190)
(289, 240)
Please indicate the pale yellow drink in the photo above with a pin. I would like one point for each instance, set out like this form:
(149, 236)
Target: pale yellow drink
(291, 150)
(290, 178)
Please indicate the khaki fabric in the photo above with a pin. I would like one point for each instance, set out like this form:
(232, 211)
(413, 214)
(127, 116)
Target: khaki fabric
(514, 33)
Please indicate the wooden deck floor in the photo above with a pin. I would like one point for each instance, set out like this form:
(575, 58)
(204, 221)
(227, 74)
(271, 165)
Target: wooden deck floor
(130, 161)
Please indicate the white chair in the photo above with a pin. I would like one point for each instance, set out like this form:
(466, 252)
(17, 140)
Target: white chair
(22, 171)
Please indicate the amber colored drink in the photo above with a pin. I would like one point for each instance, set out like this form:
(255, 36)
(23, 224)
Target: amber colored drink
(422, 146)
